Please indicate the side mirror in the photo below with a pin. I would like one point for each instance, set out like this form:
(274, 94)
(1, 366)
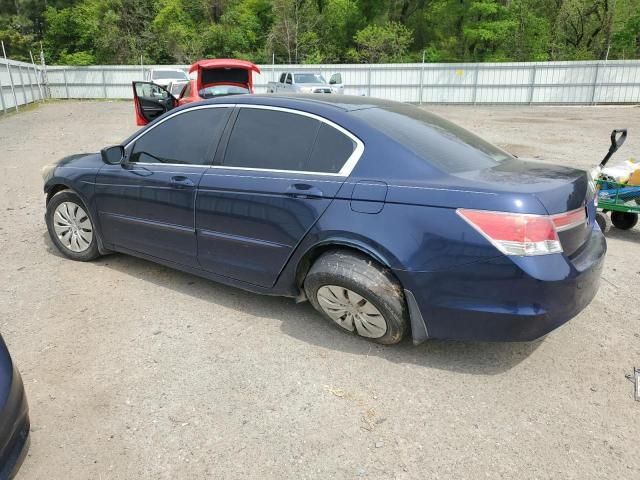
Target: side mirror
(332, 81)
(112, 155)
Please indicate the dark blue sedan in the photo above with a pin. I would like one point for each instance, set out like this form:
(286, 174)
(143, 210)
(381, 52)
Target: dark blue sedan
(14, 416)
(388, 219)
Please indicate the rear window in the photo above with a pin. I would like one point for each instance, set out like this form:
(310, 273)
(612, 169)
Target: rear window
(443, 144)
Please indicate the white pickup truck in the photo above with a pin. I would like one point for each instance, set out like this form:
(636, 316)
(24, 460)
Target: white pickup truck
(306, 82)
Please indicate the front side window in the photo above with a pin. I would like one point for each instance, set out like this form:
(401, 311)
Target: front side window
(183, 139)
(275, 140)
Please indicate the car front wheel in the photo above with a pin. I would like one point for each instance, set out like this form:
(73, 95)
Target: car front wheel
(70, 227)
(358, 296)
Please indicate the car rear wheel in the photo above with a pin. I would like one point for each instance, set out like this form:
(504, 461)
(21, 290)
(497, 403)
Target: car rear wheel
(357, 295)
(70, 227)
(624, 220)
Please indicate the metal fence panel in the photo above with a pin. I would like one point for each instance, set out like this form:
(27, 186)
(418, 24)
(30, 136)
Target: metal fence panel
(25, 84)
(580, 83)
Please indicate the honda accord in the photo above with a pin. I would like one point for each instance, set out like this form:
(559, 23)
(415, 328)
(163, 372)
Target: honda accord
(388, 219)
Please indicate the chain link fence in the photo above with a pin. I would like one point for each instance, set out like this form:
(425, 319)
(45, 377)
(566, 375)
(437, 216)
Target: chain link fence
(532, 83)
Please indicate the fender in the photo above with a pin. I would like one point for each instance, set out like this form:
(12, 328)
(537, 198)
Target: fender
(51, 188)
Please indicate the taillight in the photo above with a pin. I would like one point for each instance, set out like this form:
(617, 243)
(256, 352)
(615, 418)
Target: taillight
(514, 233)
(574, 218)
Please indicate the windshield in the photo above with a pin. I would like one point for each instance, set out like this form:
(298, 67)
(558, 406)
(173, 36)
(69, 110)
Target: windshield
(308, 78)
(176, 88)
(443, 144)
(221, 90)
(168, 74)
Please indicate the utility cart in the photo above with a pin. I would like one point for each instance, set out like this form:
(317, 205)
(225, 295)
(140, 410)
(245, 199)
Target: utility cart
(620, 200)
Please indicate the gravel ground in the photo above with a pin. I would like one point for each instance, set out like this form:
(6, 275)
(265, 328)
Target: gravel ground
(134, 370)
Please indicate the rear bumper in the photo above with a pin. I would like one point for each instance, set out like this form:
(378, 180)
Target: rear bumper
(14, 429)
(506, 298)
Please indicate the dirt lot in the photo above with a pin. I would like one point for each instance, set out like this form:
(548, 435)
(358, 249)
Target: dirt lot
(136, 371)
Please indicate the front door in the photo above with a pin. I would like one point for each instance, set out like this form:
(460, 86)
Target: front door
(146, 205)
(151, 101)
(279, 172)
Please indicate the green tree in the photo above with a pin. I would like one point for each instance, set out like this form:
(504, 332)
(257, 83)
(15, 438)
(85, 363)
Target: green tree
(381, 43)
(293, 35)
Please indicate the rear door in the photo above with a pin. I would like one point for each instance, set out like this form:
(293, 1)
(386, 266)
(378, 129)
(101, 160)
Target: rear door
(146, 205)
(151, 101)
(278, 173)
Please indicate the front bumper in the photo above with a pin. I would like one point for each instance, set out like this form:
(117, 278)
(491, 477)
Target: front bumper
(14, 429)
(505, 298)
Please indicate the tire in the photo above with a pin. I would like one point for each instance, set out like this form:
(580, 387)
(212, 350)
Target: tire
(71, 228)
(358, 296)
(624, 220)
(604, 222)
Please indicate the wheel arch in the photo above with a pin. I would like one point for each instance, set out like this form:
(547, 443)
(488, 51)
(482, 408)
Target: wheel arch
(417, 325)
(51, 190)
(315, 251)
(55, 187)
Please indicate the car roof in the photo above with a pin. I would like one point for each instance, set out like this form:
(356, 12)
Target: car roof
(345, 103)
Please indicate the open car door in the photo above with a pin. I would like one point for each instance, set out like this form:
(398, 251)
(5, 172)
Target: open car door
(151, 101)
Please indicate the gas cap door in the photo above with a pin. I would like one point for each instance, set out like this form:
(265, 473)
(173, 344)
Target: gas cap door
(368, 196)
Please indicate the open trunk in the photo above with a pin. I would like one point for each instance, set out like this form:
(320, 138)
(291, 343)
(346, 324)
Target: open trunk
(221, 71)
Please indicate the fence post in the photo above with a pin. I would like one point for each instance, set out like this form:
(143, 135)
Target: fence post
(45, 78)
(475, 84)
(13, 90)
(35, 72)
(4, 108)
(532, 83)
(104, 84)
(369, 82)
(595, 84)
(66, 85)
(421, 81)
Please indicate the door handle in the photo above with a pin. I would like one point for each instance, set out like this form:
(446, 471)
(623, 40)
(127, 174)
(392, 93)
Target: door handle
(180, 181)
(304, 190)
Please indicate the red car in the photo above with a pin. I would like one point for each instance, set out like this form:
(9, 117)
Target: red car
(208, 79)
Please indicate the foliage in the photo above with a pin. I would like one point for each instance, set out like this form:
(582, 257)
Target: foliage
(381, 43)
(84, 32)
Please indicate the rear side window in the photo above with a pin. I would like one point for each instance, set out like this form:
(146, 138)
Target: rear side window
(441, 143)
(183, 139)
(331, 150)
(270, 139)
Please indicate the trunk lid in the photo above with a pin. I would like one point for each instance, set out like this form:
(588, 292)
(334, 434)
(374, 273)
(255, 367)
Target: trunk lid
(224, 71)
(559, 190)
